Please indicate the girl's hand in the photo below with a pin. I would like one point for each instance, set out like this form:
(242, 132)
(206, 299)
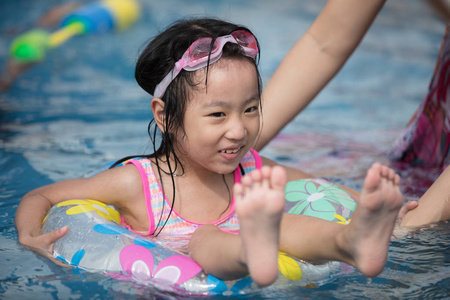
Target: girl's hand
(43, 244)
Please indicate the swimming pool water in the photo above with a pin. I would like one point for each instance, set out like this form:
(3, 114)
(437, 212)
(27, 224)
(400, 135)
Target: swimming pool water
(81, 108)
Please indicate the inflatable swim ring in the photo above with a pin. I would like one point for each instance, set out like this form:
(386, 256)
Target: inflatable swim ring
(97, 243)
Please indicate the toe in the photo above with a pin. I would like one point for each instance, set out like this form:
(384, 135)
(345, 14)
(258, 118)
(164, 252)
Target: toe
(278, 178)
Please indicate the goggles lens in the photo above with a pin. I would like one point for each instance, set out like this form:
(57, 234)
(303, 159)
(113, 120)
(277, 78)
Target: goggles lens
(197, 55)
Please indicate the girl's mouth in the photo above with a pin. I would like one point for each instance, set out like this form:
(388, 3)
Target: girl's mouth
(231, 154)
(231, 151)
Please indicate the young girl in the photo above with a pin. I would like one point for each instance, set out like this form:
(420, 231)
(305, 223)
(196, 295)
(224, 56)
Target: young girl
(207, 90)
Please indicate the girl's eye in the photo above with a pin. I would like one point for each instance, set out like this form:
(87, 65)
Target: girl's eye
(217, 114)
(251, 109)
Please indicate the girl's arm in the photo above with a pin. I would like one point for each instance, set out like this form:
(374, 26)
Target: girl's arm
(121, 187)
(314, 60)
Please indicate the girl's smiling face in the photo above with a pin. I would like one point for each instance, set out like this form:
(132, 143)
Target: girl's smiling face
(222, 120)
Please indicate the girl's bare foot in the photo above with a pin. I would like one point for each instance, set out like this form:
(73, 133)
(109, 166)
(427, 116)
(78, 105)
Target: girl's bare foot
(366, 239)
(259, 205)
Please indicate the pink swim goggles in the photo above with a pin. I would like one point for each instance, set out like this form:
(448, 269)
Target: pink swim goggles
(197, 55)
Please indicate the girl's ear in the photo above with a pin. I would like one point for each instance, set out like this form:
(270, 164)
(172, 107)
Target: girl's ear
(157, 106)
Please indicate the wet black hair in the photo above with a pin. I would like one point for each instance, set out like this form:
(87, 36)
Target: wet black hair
(156, 60)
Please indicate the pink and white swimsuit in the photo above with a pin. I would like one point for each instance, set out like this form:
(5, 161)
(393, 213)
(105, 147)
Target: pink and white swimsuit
(158, 208)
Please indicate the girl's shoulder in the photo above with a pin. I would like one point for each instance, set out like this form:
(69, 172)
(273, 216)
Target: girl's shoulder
(122, 175)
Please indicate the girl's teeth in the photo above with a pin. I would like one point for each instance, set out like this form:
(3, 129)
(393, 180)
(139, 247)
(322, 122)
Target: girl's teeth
(231, 151)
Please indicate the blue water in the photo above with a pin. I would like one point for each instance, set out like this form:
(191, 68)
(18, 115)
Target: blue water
(81, 108)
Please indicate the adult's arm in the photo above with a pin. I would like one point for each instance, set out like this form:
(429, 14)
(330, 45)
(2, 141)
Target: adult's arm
(314, 60)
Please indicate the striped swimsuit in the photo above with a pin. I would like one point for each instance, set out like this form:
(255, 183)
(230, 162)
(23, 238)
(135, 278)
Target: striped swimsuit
(158, 208)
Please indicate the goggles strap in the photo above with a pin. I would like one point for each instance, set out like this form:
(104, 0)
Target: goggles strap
(160, 89)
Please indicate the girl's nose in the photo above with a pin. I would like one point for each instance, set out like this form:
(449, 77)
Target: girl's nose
(236, 130)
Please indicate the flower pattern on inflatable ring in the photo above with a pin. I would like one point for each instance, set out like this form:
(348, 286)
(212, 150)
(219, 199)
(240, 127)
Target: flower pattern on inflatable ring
(83, 206)
(288, 267)
(342, 220)
(139, 263)
(322, 200)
